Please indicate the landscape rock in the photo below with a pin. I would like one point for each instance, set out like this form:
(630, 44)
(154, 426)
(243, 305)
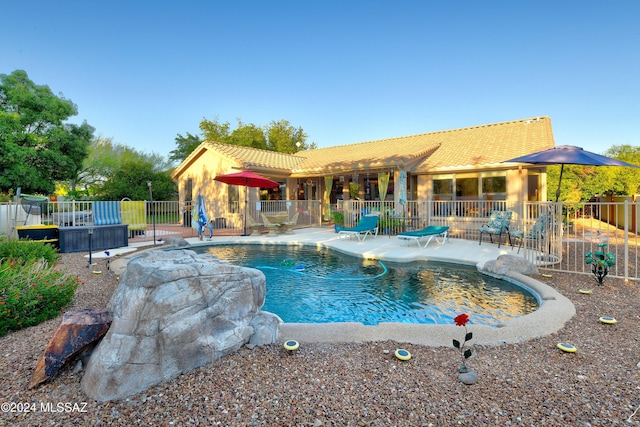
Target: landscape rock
(175, 311)
(468, 378)
(77, 332)
(177, 242)
(508, 263)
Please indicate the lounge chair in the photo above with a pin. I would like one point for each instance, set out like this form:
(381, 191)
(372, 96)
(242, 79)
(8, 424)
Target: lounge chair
(368, 225)
(498, 224)
(430, 232)
(537, 232)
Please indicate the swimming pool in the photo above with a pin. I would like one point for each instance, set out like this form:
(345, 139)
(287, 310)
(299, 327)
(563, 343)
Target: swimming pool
(319, 285)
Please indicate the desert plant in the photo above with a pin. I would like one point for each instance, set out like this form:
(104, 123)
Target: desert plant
(31, 289)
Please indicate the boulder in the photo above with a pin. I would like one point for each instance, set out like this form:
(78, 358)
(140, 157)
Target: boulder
(177, 242)
(77, 332)
(175, 311)
(508, 263)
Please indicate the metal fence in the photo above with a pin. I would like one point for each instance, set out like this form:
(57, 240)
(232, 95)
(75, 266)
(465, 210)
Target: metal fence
(574, 229)
(162, 218)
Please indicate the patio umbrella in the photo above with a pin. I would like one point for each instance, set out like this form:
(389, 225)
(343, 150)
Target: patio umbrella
(246, 179)
(568, 155)
(402, 183)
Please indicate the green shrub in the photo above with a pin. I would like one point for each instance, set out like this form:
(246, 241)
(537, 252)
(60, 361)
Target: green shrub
(25, 250)
(338, 217)
(31, 290)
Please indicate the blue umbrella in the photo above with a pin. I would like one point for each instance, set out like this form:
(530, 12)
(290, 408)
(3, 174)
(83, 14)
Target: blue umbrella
(568, 155)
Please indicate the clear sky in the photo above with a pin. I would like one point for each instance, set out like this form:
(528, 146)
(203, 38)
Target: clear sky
(345, 71)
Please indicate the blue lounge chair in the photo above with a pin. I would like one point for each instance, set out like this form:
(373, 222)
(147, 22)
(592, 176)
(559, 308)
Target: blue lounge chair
(368, 225)
(430, 232)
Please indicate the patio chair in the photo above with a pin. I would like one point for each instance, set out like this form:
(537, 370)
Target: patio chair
(498, 224)
(271, 226)
(537, 232)
(106, 213)
(368, 225)
(289, 224)
(254, 225)
(430, 232)
(134, 215)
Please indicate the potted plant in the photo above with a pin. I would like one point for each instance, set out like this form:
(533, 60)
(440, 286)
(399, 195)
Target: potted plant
(338, 218)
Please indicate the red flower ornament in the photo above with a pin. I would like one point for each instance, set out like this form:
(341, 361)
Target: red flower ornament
(461, 320)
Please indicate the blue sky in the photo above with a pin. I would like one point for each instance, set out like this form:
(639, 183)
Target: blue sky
(143, 72)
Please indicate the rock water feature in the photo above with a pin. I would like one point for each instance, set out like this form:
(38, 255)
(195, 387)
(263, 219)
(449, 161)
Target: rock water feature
(175, 311)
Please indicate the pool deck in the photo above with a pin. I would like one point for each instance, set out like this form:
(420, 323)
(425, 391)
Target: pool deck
(555, 309)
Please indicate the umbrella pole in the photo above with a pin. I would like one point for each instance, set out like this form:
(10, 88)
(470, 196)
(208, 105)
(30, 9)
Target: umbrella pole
(246, 190)
(559, 182)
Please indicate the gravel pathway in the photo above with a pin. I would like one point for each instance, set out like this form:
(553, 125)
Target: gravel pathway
(527, 384)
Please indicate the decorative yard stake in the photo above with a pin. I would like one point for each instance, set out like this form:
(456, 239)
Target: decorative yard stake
(462, 320)
(600, 262)
(465, 375)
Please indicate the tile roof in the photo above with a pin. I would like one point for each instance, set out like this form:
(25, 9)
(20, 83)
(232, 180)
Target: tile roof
(464, 148)
(250, 157)
(469, 147)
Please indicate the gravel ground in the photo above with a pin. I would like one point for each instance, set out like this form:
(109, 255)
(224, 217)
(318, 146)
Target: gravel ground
(528, 384)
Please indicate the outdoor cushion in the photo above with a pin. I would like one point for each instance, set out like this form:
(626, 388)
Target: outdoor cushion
(106, 213)
(133, 214)
(498, 224)
(367, 225)
(537, 232)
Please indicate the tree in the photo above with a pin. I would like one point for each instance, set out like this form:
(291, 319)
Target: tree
(215, 131)
(38, 148)
(185, 145)
(104, 159)
(248, 136)
(284, 138)
(130, 179)
(278, 136)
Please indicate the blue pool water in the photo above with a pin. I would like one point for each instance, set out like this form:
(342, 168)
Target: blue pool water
(310, 285)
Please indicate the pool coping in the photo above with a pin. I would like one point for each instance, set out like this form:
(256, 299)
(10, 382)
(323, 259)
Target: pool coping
(554, 311)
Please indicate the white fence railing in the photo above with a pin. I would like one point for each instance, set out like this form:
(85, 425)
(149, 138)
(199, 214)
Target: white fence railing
(575, 229)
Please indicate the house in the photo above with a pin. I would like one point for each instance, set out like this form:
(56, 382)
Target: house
(450, 167)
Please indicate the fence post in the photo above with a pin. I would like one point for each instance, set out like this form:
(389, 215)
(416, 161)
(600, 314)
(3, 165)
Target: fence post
(627, 207)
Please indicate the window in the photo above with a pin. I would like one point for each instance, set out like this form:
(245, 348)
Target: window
(188, 191)
(467, 188)
(495, 186)
(233, 198)
(442, 189)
